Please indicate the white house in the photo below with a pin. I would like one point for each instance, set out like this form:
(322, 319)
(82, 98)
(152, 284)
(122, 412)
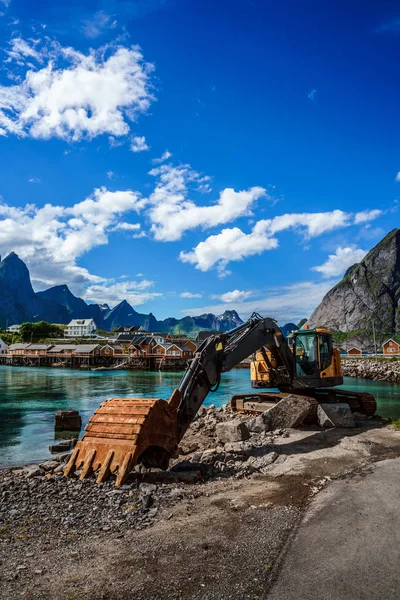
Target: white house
(14, 328)
(80, 328)
(3, 347)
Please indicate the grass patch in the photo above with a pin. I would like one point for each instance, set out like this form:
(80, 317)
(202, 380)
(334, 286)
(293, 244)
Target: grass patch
(396, 424)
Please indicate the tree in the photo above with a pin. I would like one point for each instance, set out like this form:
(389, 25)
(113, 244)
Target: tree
(33, 332)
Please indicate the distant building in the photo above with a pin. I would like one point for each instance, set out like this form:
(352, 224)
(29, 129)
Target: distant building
(390, 348)
(37, 349)
(87, 350)
(3, 347)
(354, 352)
(80, 328)
(18, 349)
(130, 329)
(14, 328)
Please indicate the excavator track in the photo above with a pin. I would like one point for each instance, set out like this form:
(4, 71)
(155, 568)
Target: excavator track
(254, 403)
(122, 433)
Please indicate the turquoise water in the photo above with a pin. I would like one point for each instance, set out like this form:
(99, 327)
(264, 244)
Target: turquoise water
(30, 397)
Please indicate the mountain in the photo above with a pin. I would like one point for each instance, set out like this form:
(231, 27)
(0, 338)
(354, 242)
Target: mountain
(368, 295)
(288, 328)
(124, 314)
(19, 303)
(208, 321)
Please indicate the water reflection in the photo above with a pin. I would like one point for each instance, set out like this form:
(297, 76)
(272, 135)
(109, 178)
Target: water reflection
(31, 396)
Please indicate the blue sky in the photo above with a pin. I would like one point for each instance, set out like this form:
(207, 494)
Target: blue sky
(198, 155)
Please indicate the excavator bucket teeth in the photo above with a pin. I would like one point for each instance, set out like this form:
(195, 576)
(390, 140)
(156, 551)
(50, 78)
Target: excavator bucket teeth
(120, 434)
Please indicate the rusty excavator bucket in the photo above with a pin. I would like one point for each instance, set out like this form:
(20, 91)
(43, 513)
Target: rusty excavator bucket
(124, 432)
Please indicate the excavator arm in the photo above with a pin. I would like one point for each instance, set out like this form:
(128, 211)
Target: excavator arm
(126, 431)
(221, 353)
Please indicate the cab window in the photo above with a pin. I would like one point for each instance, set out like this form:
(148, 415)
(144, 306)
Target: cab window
(306, 355)
(325, 351)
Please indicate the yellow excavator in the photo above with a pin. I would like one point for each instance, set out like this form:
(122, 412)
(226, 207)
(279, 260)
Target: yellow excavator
(311, 369)
(124, 432)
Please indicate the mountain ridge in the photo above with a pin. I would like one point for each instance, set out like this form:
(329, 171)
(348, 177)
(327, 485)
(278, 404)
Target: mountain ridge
(368, 295)
(19, 303)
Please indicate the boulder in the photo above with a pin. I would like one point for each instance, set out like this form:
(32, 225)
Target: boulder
(335, 415)
(33, 471)
(287, 413)
(63, 446)
(232, 431)
(49, 465)
(67, 420)
(260, 462)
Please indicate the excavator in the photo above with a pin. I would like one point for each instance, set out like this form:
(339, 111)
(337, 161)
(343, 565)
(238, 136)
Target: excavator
(124, 432)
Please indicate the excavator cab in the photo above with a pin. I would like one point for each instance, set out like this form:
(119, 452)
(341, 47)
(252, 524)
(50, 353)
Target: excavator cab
(316, 363)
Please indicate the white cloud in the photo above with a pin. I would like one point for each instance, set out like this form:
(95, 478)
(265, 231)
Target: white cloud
(21, 49)
(162, 158)
(134, 292)
(234, 296)
(234, 245)
(52, 238)
(34, 180)
(99, 24)
(172, 212)
(397, 178)
(190, 295)
(138, 144)
(110, 174)
(229, 245)
(340, 261)
(286, 303)
(367, 215)
(94, 95)
(127, 227)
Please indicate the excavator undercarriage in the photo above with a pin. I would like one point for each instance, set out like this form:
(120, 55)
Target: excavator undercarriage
(124, 432)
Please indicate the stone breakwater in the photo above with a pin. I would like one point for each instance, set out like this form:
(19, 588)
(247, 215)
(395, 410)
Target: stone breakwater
(377, 370)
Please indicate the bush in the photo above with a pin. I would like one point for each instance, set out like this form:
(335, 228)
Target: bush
(40, 330)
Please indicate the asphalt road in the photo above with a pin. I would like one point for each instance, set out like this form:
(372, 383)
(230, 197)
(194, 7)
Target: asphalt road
(348, 546)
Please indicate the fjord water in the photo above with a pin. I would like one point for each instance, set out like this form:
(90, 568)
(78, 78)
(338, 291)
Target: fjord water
(31, 396)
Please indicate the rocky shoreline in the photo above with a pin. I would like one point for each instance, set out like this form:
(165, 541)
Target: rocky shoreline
(216, 522)
(368, 368)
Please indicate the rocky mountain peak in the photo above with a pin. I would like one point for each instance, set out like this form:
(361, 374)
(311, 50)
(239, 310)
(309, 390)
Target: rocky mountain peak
(15, 274)
(369, 292)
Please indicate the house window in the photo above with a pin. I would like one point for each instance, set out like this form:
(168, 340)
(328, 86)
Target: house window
(107, 350)
(391, 349)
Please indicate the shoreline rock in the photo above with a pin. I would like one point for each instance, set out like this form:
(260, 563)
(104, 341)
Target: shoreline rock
(376, 370)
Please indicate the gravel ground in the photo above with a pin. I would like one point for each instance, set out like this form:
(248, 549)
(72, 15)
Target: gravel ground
(212, 528)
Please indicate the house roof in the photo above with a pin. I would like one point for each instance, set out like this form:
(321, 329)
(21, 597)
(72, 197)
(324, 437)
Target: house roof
(179, 346)
(85, 348)
(354, 348)
(391, 340)
(2, 343)
(80, 322)
(62, 348)
(39, 346)
(18, 346)
(130, 337)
